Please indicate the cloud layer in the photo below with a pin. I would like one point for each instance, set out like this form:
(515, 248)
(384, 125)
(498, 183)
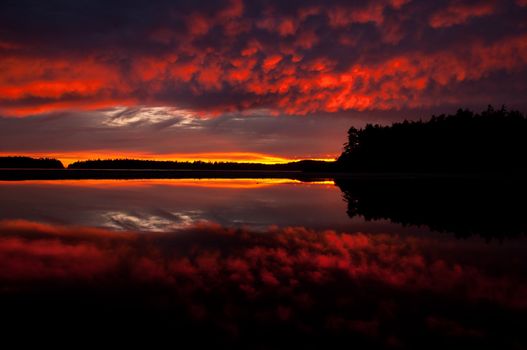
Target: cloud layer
(299, 57)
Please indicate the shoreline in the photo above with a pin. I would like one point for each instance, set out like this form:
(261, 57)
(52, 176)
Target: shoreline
(137, 174)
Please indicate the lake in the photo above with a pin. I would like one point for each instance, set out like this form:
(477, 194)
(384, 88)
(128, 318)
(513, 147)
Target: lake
(267, 263)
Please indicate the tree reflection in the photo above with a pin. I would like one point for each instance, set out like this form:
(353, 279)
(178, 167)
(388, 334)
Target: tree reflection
(490, 207)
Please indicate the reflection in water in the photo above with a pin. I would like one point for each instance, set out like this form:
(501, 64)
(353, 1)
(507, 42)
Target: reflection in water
(487, 207)
(158, 205)
(151, 223)
(244, 288)
(254, 264)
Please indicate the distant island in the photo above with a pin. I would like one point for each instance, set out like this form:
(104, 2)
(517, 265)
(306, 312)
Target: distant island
(466, 142)
(302, 165)
(18, 162)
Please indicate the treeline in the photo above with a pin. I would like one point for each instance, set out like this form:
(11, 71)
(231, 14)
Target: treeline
(30, 163)
(493, 140)
(303, 165)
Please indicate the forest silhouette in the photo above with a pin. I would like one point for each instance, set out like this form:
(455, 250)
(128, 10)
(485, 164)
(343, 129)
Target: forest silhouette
(466, 142)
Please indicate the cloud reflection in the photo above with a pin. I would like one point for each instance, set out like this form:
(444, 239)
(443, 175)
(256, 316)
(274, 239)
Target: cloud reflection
(151, 223)
(374, 288)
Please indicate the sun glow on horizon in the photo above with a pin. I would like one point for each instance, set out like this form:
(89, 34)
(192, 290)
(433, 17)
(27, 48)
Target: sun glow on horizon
(237, 157)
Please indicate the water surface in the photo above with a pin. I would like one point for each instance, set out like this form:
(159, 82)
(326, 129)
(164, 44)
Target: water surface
(264, 263)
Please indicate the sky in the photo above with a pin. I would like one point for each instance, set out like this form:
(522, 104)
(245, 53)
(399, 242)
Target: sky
(242, 80)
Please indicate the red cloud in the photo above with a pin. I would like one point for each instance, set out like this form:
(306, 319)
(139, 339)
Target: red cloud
(198, 25)
(271, 62)
(290, 86)
(51, 78)
(233, 10)
(459, 13)
(342, 16)
(288, 70)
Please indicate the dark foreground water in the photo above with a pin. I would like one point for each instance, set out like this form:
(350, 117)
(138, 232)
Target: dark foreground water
(265, 263)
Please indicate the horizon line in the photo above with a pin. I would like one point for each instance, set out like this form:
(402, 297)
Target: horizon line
(206, 157)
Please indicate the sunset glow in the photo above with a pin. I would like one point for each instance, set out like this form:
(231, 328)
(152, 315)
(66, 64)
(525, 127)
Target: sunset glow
(248, 81)
(240, 157)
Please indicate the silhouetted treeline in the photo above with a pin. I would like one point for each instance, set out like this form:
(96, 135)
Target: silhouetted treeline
(489, 206)
(28, 162)
(303, 165)
(494, 140)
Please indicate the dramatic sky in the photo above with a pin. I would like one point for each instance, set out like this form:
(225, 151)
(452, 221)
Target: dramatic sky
(245, 80)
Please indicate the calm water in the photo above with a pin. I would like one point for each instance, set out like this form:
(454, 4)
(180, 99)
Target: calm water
(266, 263)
